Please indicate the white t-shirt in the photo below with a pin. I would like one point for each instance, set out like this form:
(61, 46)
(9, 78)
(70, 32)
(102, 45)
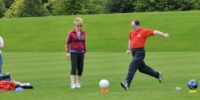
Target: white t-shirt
(1, 43)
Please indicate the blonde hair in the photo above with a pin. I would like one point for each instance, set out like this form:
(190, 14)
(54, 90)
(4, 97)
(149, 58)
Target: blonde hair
(78, 20)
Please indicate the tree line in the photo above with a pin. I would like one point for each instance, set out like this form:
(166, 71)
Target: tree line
(33, 8)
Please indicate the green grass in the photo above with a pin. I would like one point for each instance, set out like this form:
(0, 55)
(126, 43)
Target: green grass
(105, 32)
(49, 75)
(35, 53)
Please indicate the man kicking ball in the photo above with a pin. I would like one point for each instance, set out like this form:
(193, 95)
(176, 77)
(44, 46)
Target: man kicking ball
(136, 46)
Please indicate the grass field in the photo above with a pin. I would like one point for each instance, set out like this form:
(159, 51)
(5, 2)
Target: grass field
(105, 32)
(49, 74)
(34, 53)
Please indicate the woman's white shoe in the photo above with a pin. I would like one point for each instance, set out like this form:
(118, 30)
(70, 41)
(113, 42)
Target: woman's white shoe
(73, 86)
(78, 85)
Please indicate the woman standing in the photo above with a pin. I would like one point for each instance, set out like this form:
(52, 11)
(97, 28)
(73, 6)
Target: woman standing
(1, 60)
(76, 50)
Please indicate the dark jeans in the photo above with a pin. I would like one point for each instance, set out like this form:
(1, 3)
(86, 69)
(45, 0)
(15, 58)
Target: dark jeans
(77, 63)
(138, 63)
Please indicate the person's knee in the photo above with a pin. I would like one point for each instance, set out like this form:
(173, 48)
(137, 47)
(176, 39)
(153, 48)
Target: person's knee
(80, 72)
(73, 72)
(141, 70)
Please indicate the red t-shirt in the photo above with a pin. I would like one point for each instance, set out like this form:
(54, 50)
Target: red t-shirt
(138, 38)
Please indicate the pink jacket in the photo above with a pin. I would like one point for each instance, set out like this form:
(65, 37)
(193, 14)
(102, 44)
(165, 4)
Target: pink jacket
(73, 43)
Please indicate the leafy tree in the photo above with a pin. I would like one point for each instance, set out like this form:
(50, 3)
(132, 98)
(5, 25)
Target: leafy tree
(127, 6)
(68, 7)
(45, 1)
(59, 7)
(118, 6)
(92, 7)
(2, 8)
(166, 5)
(49, 5)
(196, 4)
(32, 8)
(8, 3)
(14, 9)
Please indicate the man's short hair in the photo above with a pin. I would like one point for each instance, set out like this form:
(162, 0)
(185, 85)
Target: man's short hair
(137, 22)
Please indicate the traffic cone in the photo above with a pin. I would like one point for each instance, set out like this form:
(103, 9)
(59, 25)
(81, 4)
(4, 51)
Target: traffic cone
(104, 90)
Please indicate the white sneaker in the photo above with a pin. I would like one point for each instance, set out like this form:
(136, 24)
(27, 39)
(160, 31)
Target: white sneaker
(124, 84)
(73, 86)
(160, 77)
(78, 85)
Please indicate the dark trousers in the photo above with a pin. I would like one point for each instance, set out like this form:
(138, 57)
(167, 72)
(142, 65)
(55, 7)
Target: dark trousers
(77, 63)
(138, 63)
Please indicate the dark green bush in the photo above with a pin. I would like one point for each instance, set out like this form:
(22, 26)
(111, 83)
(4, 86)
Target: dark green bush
(2, 8)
